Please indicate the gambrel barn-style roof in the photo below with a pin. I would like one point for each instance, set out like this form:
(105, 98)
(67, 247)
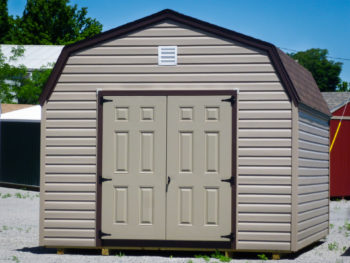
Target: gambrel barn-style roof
(299, 83)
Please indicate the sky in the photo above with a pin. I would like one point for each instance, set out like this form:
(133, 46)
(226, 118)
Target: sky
(293, 25)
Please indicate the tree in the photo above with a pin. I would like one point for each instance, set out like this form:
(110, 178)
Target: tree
(17, 84)
(343, 86)
(4, 21)
(53, 22)
(325, 72)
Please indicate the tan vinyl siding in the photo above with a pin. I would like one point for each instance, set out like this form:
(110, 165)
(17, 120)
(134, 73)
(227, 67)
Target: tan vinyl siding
(313, 179)
(204, 62)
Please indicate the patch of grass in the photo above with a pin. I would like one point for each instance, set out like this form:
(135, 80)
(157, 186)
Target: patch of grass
(331, 226)
(28, 229)
(205, 257)
(15, 259)
(344, 248)
(340, 228)
(23, 196)
(333, 246)
(120, 254)
(190, 261)
(347, 225)
(5, 228)
(220, 256)
(6, 196)
(263, 257)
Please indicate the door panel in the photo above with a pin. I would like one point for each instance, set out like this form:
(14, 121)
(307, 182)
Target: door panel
(199, 156)
(134, 157)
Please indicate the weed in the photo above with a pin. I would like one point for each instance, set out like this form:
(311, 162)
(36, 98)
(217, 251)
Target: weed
(5, 228)
(331, 226)
(15, 259)
(333, 246)
(347, 225)
(263, 257)
(220, 256)
(190, 261)
(205, 257)
(121, 254)
(171, 256)
(340, 228)
(28, 229)
(6, 196)
(344, 248)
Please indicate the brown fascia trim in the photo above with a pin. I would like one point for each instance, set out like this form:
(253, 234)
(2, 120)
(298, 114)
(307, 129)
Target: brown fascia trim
(180, 18)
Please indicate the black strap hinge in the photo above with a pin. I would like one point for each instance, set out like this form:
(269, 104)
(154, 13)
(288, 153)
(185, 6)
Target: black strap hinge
(103, 100)
(230, 180)
(101, 180)
(102, 234)
(230, 236)
(232, 100)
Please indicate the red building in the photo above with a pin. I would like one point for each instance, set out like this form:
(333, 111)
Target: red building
(339, 105)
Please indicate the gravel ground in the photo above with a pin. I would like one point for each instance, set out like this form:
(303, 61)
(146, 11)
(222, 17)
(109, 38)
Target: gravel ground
(19, 219)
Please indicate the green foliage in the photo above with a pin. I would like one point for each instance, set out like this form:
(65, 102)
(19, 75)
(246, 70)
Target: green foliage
(347, 225)
(325, 72)
(331, 226)
(333, 246)
(120, 254)
(343, 86)
(55, 22)
(263, 257)
(205, 257)
(220, 256)
(4, 21)
(16, 82)
(15, 259)
(4, 196)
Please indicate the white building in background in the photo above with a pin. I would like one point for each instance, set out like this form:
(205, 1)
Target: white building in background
(35, 56)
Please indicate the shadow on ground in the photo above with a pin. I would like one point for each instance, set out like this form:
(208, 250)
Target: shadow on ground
(346, 253)
(170, 254)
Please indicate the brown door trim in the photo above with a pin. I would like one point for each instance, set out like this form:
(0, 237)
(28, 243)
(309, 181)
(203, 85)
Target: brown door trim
(164, 243)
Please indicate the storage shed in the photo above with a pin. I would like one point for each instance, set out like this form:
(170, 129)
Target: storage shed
(339, 105)
(20, 146)
(171, 132)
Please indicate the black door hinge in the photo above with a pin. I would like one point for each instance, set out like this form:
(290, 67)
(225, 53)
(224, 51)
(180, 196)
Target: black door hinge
(230, 180)
(101, 180)
(232, 100)
(230, 236)
(102, 234)
(103, 100)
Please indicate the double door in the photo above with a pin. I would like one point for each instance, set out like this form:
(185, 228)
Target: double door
(163, 162)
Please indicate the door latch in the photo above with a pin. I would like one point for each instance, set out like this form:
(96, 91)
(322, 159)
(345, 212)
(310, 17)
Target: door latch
(167, 185)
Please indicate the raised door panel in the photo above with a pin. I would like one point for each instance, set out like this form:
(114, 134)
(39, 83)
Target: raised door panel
(134, 157)
(199, 156)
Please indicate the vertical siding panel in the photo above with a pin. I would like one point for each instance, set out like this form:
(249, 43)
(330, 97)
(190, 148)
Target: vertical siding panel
(313, 205)
(42, 173)
(295, 148)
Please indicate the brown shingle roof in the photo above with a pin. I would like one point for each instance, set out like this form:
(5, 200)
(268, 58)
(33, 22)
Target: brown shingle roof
(304, 84)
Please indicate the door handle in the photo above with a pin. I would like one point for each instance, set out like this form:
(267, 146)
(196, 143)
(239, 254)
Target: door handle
(167, 184)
